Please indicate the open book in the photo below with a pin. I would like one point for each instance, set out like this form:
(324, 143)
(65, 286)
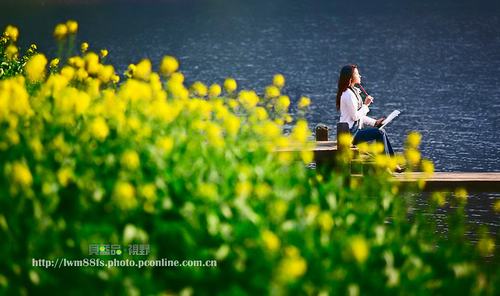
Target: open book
(389, 118)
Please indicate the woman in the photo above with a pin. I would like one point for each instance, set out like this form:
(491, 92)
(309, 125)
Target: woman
(353, 110)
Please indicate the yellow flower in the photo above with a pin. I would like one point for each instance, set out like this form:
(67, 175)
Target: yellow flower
(279, 208)
(76, 62)
(463, 269)
(363, 147)
(124, 195)
(300, 132)
(21, 174)
(325, 221)
(230, 85)
(115, 78)
(262, 190)
(269, 130)
(282, 104)
(233, 104)
(214, 134)
(169, 65)
(134, 124)
(92, 63)
(427, 167)
(496, 206)
(11, 52)
(64, 175)
(486, 246)
(143, 70)
(307, 156)
(272, 92)
(37, 147)
(413, 156)
(414, 139)
(345, 140)
(311, 212)
(130, 71)
(359, 249)
(165, 144)
(260, 114)
(93, 86)
(208, 191)
(243, 189)
(11, 32)
(304, 102)
(56, 83)
(14, 99)
(271, 241)
(81, 74)
(106, 73)
(214, 90)
(461, 194)
(292, 266)
(99, 128)
(54, 63)
(177, 90)
(177, 77)
(60, 31)
(104, 53)
(199, 89)
(13, 137)
(376, 148)
(285, 158)
(72, 26)
(279, 80)
(382, 161)
(84, 47)
(32, 48)
(148, 191)
(439, 198)
(232, 124)
(130, 160)
(248, 99)
(35, 68)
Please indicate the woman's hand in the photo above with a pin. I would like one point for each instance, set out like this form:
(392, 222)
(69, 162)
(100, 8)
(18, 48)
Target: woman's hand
(379, 121)
(368, 100)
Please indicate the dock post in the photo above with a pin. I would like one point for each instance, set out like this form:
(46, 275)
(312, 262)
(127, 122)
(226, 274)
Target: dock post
(322, 159)
(321, 132)
(342, 128)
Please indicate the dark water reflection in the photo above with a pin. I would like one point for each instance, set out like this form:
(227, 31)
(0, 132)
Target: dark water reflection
(479, 213)
(437, 61)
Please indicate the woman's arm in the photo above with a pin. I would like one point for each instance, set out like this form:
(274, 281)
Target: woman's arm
(369, 121)
(348, 106)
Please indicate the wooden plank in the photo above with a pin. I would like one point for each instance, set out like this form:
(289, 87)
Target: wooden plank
(451, 176)
(449, 181)
(314, 146)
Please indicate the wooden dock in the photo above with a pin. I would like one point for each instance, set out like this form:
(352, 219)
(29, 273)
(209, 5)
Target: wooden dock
(325, 154)
(325, 151)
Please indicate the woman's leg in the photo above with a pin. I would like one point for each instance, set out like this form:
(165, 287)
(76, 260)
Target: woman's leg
(374, 134)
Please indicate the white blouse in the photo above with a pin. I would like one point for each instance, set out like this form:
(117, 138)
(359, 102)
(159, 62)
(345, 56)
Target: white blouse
(352, 109)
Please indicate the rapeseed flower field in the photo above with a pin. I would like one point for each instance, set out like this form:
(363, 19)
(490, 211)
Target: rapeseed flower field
(91, 156)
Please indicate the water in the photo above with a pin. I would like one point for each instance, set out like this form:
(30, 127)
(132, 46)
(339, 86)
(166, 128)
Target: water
(439, 63)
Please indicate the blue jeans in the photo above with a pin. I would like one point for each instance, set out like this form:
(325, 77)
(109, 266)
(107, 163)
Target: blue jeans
(371, 134)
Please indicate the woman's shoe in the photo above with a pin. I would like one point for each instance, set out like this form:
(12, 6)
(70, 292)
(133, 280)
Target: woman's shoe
(399, 169)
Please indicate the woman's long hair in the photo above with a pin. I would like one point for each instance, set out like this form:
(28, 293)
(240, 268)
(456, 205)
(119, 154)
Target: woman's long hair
(344, 81)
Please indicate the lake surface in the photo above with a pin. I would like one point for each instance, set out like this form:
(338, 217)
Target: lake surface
(439, 63)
